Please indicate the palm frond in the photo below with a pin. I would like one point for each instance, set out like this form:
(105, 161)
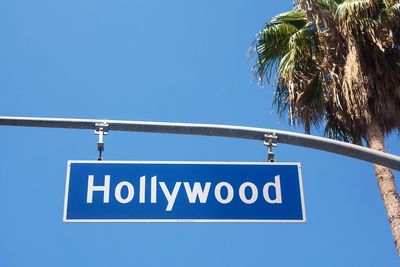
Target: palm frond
(395, 9)
(312, 96)
(290, 44)
(310, 103)
(334, 130)
(299, 89)
(351, 11)
(272, 43)
(295, 18)
(328, 5)
(271, 46)
(281, 98)
(301, 45)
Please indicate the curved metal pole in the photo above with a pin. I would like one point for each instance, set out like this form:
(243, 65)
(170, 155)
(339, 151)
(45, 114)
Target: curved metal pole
(291, 138)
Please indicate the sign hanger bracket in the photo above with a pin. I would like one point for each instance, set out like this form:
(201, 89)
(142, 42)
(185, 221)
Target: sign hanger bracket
(271, 140)
(101, 129)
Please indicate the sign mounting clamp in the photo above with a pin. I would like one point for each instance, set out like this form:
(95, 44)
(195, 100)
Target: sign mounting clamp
(101, 129)
(271, 140)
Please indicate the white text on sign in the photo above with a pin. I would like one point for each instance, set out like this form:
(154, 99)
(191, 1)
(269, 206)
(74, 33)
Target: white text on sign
(197, 191)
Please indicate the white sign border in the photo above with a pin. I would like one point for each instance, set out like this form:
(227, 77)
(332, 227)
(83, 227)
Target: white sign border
(182, 220)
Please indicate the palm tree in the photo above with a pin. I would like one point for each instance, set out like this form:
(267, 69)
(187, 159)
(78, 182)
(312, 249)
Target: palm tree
(337, 65)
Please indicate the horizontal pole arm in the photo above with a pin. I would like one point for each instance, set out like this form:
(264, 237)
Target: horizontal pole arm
(286, 137)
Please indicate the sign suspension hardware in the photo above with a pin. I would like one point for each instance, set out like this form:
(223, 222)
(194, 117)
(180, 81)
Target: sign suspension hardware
(271, 140)
(102, 128)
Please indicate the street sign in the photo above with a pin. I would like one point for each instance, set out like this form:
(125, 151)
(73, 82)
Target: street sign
(127, 191)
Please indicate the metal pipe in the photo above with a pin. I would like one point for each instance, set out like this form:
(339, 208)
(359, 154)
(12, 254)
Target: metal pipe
(291, 138)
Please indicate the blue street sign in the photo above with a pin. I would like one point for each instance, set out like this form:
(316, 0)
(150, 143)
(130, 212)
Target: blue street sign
(115, 191)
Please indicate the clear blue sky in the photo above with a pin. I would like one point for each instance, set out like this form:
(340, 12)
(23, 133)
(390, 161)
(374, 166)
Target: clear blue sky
(183, 61)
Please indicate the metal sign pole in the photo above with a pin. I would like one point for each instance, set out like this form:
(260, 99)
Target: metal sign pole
(285, 137)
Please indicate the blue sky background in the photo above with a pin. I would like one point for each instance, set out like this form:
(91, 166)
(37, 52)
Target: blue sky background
(181, 61)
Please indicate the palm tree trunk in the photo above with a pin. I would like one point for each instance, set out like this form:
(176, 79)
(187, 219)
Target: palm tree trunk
(385, 178)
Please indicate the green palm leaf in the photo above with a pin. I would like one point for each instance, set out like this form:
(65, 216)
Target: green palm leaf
(295, 18)
(351, 11)
(328, 5)
(272, 43)
(271, 46)
(395, 9)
